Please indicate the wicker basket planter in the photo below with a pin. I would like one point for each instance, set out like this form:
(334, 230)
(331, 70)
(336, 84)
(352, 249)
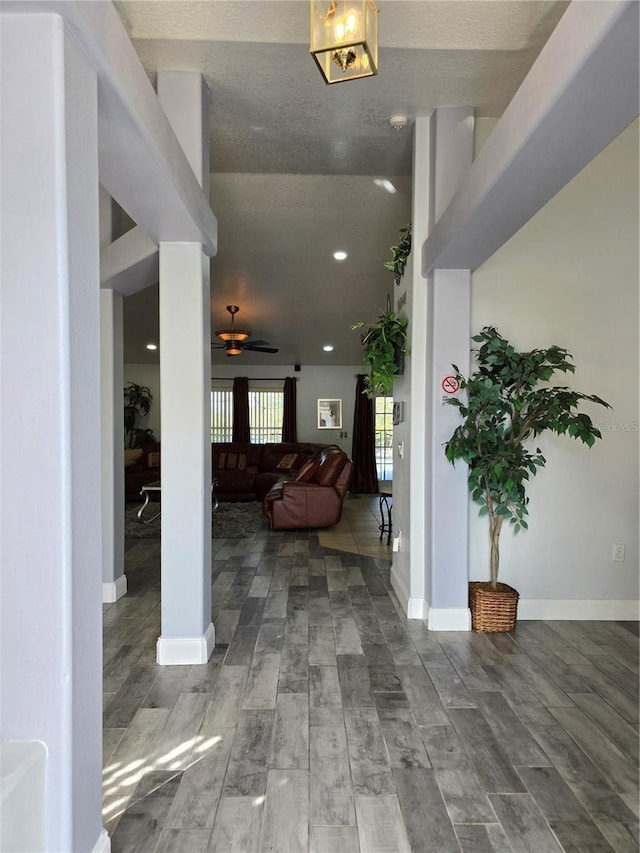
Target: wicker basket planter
(492, 610)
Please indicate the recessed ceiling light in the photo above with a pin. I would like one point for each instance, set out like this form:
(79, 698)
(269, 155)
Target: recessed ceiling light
(328, 347)
(340, 255)
(152, 346)
(384, 184)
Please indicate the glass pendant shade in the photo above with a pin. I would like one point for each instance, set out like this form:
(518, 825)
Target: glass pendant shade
(232, 335)
(344, 39)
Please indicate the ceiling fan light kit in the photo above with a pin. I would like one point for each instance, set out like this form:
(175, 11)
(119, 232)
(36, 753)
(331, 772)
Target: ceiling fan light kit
(236, 341)
(344, 39)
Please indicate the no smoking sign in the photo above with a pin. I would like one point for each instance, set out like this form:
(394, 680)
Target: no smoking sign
(450, 385)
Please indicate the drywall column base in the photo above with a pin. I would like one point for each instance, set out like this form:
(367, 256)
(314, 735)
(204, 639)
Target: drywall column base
(114, 581)
(50, 623)
(185, 383)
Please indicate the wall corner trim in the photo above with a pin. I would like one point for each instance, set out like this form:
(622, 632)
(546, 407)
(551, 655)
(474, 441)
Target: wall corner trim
(113, 590)
(449, 619)
(177, 651)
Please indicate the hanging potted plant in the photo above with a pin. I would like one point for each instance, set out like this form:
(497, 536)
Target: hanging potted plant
(384, 345)
(508, 403)
(400, 254)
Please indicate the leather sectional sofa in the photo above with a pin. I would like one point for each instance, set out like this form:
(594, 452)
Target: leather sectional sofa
(268, 473)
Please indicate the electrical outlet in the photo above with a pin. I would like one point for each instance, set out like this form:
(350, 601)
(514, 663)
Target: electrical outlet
(618, 553)
(396, 543)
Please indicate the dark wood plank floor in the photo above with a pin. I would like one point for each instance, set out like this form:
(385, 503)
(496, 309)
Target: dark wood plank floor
(327, 722)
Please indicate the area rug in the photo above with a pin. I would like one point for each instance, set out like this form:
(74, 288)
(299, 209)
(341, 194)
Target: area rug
(229, 521)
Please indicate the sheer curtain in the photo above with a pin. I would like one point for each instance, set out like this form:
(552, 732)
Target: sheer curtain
(241, 409)
(363, 450)
(289, 411)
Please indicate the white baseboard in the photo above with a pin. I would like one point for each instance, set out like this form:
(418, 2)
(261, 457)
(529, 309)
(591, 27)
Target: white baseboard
(579, 609)
(103, 844)
(449, 619)
(113, 590)
(415, 608)
(176, 651)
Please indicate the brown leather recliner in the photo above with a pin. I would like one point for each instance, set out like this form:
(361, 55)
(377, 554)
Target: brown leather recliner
(291, 505)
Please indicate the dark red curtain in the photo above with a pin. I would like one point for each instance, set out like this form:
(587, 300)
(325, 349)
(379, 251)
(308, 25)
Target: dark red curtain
(241, 409)
(364, 480)
(289, 411)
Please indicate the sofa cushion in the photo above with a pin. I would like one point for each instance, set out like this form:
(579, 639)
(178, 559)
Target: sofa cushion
(238, 482)
(308, 471)
(332, 461)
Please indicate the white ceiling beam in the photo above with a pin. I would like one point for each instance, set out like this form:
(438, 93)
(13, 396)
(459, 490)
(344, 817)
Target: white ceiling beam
(130, 263)
(141, 163)
(581, 92)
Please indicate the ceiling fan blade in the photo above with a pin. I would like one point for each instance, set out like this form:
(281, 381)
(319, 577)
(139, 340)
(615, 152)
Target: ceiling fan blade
(217, 346)
(261, 349)
(256, 343)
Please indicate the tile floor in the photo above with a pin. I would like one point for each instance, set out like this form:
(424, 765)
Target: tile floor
(327, 722)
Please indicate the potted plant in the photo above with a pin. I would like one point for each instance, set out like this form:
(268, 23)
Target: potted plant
(508, 402)
(384, 351)
(137, 403)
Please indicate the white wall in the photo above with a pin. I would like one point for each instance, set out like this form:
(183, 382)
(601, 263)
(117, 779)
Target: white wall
(314, 382)
(570, 277)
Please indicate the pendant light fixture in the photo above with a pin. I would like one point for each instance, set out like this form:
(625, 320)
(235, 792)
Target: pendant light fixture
(344, 39)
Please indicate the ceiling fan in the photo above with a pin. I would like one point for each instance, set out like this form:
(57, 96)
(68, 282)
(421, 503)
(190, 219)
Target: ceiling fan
(235, 341)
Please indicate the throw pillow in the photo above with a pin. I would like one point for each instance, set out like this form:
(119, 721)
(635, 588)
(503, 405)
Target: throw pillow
(132, 455)
(153, 459)
(231, 462)
(308, 471)
(288, 462)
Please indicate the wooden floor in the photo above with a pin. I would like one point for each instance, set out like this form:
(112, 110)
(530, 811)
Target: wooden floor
(327, 722)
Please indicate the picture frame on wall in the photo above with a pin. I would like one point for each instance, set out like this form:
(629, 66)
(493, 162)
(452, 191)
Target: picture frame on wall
(330, 414)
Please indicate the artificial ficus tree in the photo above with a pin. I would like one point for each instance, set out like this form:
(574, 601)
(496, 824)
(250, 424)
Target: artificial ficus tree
(507, 403)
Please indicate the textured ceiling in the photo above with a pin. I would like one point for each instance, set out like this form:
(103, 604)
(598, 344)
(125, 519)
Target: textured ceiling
(293, 160)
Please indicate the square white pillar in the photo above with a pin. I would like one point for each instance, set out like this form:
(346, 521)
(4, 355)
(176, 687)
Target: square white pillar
(185, 363)
(114, 580)
(50, 621)
(451, 149)
(185, 380)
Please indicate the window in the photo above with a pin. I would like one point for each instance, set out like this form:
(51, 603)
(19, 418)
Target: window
(221, 414)
(384, 437)
(265, 415)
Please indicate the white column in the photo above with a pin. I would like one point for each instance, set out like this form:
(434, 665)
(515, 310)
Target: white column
(114, 580)
(411, 513)
(50, 621)
(185, 381)
(451, 146)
